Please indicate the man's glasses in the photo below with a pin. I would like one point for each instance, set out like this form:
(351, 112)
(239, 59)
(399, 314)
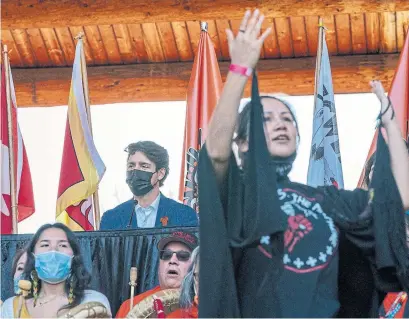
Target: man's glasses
(182, 255)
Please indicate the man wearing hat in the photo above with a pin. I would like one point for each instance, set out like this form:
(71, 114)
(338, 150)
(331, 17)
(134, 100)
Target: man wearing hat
(174, 253)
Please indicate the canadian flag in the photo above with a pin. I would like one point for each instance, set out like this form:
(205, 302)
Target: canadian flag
(24, 186)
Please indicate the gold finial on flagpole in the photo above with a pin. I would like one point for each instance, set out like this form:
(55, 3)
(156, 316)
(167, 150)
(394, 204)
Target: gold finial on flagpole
(321, 24)
(79, 36)
(203, 26)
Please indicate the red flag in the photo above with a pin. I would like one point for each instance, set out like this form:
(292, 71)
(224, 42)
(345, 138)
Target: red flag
(399, 95)
(22, 175)
(204, 90)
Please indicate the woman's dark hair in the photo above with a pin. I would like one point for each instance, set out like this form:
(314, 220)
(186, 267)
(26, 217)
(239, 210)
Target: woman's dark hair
(16, 257)
(243, 125)
(154, 152)
(79, 277)
(368, 167)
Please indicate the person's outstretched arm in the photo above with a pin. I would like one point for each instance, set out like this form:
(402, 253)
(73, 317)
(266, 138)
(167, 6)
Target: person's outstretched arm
(397, 148)
(244, 51)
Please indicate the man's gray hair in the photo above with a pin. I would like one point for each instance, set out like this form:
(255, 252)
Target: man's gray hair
(187, 291)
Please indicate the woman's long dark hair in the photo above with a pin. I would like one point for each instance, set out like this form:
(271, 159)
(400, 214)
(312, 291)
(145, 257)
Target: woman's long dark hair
(79, 276)
(368, 167)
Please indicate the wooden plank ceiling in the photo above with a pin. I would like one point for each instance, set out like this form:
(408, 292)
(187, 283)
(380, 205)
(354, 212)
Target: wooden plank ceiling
(161, 42)
(143, 50)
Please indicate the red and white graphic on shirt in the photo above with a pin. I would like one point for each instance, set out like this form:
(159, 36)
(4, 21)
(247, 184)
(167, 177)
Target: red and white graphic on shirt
(298, 227)
(311, 238)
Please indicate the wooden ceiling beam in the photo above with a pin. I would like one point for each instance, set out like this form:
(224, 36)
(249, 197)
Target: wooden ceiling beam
(169, 81)
(50, 13)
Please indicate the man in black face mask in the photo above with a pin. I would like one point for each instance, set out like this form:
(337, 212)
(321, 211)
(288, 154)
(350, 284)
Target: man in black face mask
(147, 169)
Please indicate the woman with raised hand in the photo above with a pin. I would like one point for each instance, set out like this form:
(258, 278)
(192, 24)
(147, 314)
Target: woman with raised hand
(269, 246)
(58, 277)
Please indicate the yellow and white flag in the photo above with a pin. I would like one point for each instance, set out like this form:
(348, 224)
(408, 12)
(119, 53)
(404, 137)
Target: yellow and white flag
(82, 168)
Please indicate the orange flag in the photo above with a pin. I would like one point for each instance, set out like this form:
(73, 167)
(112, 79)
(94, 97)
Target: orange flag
(399, 95)
(204, 90)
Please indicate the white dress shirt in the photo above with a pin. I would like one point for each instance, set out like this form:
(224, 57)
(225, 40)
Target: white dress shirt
(146, 217)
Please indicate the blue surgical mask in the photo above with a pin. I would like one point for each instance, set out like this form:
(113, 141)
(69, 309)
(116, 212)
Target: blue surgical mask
(53, 267)
(16, 280)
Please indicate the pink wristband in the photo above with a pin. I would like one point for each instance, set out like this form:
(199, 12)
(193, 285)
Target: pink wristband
(242, 70)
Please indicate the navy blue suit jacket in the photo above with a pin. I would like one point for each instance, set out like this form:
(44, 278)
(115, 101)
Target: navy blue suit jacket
(124, 217)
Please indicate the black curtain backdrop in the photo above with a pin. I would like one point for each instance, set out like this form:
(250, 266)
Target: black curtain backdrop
(108, 255)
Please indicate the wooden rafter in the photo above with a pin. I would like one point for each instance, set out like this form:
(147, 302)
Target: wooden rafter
(169, 81)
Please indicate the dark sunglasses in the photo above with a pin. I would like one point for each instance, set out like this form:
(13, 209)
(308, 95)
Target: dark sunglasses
(182, 255)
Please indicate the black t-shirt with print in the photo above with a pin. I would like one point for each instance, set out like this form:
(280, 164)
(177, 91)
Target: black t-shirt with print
(268, 254)
(284, 261)
(307, 284)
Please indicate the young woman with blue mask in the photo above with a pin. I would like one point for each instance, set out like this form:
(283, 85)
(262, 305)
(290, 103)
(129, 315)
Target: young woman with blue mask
(17, 268)
(58, 276)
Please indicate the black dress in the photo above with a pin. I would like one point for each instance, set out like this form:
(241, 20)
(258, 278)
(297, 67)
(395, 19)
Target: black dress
(271, 247)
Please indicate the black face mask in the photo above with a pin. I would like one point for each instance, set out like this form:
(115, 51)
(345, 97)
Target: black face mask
(283, 164)
(139, 181)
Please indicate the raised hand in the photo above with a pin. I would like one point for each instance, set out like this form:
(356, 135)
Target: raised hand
(377, 88)
(245, 47)
(386, 109)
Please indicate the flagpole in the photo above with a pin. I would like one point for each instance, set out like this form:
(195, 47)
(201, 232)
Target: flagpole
(203, 27)
(319, 56)
(12, 170)
(95, 196)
